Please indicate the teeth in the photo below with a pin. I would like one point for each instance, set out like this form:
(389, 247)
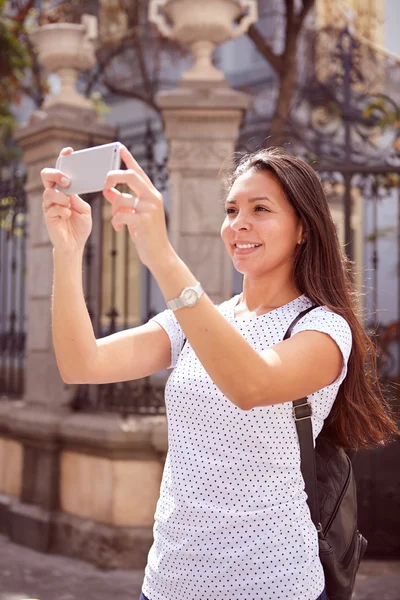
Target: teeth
(243, 246)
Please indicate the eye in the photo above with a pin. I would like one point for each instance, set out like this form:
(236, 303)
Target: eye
(262, 208)
(229, 210)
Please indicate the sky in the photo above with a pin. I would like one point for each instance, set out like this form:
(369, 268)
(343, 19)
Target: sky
(391, 26)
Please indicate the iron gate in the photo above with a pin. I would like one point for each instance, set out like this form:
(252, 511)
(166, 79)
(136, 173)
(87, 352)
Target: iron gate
(13, 231)
(110, 291)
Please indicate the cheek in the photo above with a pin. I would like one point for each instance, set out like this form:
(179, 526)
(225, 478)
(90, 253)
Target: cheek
(279, 235)
(225, 231)
(272, 231)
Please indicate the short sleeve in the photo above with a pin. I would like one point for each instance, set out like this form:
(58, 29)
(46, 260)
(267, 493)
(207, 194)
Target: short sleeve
(324, 320)
(169, 323)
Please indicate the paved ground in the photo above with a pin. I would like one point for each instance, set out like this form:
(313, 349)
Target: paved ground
(27, 574)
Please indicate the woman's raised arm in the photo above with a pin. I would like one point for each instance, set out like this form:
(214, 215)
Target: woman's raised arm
(80, 357)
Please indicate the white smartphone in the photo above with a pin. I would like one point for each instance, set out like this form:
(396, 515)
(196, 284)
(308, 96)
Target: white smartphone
(87, 169)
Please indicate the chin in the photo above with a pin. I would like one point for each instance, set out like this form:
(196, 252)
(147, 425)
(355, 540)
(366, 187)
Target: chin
(248, 272)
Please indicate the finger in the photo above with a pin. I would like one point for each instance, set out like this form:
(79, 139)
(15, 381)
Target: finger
(79, 205)
(52, 196)
(132, 179)
(51, 177)
(57, 211)
(123, 202)
(125, 218)
(66, 151)
(122, 209)
(114, 196)
(131, 163)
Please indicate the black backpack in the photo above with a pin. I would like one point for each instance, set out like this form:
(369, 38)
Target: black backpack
(332, 499)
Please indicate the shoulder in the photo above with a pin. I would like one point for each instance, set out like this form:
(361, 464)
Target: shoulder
(325, 320)
(166, 319)
(169, 323)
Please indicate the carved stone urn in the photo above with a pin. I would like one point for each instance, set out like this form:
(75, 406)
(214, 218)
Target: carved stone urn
(202, 25)
(66, 49)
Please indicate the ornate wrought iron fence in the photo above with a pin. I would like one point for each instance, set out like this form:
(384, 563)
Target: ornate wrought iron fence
(116, 299)
(13, 229)
(346, 123)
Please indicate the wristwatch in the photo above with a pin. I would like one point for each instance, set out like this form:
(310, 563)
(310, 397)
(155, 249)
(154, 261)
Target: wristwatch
(189, 297)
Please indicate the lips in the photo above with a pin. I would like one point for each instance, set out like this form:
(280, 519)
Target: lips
(245, 248)
(246, 245)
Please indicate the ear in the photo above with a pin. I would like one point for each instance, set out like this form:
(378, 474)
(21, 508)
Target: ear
(300, 234)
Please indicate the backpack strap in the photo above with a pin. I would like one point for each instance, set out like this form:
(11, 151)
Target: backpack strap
(302, 413)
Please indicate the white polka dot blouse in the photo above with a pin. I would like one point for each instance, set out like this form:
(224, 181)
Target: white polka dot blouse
(232, 521)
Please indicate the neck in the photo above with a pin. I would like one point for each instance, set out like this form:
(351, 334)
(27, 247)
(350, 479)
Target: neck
(267, 295)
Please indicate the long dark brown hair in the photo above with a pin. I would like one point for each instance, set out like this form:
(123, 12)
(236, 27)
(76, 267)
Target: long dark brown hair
(360, 417)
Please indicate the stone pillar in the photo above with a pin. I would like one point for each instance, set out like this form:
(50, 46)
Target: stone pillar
(66, 120)
(202, 125)
(41, 140)
(202, 119)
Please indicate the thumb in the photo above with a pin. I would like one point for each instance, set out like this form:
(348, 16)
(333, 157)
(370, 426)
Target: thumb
(79, 205)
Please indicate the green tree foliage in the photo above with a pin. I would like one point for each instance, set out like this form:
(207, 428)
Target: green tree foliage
(15, 61)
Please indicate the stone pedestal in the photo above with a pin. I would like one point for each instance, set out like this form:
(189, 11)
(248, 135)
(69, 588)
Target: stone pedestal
(80, 485)
(41, 140)
(35, 426)
(201, 124)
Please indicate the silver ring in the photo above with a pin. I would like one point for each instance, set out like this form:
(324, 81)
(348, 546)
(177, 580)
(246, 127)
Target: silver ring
(135, 204)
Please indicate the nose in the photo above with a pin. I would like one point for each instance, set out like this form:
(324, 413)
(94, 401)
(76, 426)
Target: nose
(240, 222)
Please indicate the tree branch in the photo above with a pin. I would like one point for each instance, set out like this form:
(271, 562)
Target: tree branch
(102, 63)
(290, 25)
(142, 64)
(133, 93)
(307, 6)
(265, 49)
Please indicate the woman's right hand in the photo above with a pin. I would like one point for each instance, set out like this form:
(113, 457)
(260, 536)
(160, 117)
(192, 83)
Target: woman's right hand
(68, 218)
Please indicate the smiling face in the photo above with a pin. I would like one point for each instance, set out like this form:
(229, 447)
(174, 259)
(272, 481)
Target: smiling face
(261, 229)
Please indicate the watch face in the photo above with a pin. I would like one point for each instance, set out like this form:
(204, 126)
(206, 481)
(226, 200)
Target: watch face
(190, 297)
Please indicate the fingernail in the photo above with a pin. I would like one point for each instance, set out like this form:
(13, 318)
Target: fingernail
(65, 181)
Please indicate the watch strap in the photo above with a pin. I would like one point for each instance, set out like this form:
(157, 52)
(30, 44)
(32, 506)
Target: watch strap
(177, 303)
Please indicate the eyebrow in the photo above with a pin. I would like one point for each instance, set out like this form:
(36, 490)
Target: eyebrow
(255, 199)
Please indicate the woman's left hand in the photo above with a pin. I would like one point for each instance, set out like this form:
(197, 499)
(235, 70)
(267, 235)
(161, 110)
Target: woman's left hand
(143, 213)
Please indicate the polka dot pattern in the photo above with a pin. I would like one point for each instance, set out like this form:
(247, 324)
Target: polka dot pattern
(232, 520)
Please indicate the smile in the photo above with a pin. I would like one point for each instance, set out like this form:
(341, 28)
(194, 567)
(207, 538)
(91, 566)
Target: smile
(245, 248)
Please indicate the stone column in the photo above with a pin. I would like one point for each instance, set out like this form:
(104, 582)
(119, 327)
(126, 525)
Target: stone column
(65, 120)
(202, 126)
(202, 119)
(41, 140)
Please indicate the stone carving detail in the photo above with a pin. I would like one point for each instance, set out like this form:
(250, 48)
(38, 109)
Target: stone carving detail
(199, 154)
(66, 49)
(203, 25)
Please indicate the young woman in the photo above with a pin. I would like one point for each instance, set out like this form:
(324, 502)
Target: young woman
(232, 521)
